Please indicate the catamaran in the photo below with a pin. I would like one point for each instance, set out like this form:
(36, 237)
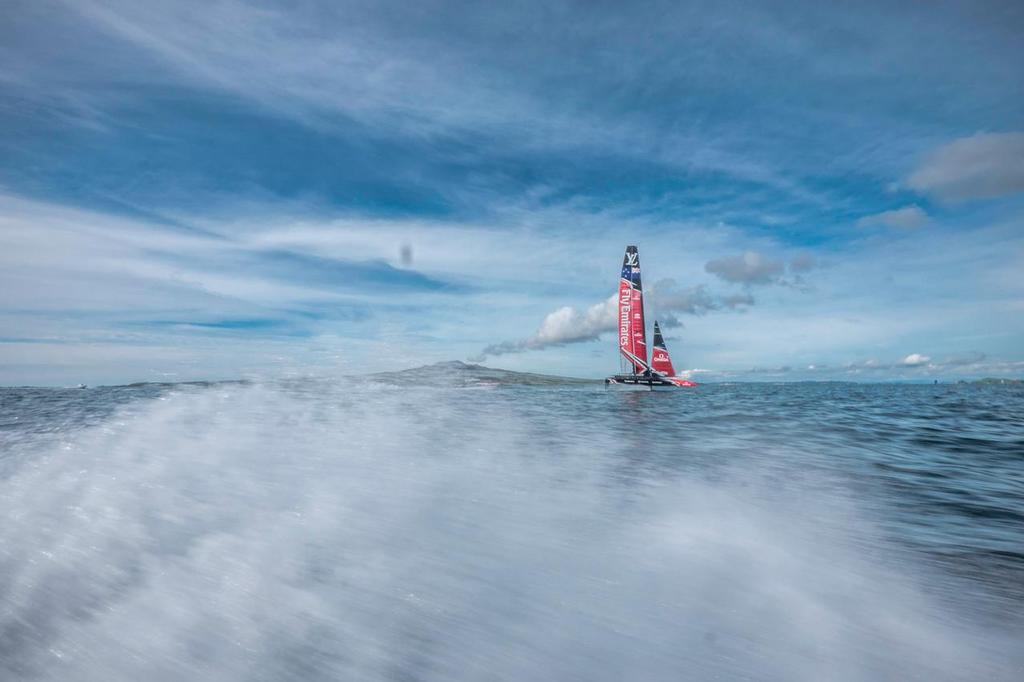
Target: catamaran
(636, 370)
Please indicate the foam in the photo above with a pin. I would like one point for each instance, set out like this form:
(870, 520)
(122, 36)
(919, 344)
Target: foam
(338, 531)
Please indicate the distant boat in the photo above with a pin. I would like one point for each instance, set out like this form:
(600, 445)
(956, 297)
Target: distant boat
(636, 370)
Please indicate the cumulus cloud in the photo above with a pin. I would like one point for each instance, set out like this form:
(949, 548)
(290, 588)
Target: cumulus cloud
(981, 166)
(747, 268)
(563, 326)
(908, 218)
(916, 359)
(567, 325)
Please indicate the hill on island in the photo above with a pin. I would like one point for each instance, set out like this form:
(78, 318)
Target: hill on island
(456, 373)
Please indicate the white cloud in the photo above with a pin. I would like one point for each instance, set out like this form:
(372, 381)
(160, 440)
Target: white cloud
(916, 359)
(981, 166)
(566, 324)
(908, 217)
(562, 326)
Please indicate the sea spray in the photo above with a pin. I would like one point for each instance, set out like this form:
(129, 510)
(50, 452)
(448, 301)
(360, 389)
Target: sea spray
(371, 530)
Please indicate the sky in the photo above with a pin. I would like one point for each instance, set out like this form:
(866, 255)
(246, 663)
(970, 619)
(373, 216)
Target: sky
(208, 190)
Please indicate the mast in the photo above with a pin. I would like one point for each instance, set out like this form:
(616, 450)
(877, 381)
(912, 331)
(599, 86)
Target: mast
(632, 327)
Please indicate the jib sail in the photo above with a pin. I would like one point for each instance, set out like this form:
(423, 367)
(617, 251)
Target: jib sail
(632, 329)
(660, 361)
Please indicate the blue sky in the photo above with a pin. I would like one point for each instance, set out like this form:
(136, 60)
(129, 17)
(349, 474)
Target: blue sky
(208, 190)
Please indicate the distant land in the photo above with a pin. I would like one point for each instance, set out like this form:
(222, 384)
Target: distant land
(468, 374)
(993, 380)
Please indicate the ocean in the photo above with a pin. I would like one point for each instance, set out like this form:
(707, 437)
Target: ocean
(463, 524)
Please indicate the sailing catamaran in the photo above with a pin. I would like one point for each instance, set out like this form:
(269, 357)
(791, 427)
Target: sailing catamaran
(633, 335)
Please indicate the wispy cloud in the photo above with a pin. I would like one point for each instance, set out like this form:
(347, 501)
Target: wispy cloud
(445, 111)
(68, 273)
(265, 171)
(908, 217)
(984, 165)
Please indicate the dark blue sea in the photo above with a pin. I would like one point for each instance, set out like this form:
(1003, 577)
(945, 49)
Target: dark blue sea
(460, 524)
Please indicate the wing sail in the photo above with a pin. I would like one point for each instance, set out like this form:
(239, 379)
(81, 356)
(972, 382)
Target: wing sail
(632, 328)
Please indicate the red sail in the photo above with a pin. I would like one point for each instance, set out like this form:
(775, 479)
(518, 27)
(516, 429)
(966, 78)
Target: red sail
(632, 330)
(660, 361)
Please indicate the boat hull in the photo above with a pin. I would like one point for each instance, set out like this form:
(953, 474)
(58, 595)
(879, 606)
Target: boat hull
(647, 382)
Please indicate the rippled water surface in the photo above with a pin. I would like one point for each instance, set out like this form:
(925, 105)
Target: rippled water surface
(478, 530)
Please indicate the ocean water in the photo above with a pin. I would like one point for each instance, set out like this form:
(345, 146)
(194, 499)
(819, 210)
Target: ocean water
(458, 524)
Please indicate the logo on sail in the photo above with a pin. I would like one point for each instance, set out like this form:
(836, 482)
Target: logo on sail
(624, 296)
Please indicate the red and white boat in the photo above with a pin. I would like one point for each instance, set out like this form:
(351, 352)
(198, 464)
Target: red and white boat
(637, 371)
